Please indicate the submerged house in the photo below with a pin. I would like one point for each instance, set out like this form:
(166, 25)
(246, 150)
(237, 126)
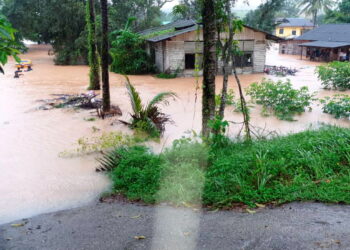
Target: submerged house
(175, 46)
(329, 42)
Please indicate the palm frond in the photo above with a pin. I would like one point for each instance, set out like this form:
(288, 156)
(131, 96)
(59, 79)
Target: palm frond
(134, 96)
(161, 98)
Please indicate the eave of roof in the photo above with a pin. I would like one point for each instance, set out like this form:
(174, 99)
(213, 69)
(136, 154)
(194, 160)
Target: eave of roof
(193, 28)
(323, 44)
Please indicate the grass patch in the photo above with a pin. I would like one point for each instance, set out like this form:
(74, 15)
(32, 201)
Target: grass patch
(166, 75)
(311, 165)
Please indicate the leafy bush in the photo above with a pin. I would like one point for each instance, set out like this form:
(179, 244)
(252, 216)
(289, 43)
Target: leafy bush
(338, 105)
(311, 165)
(148, 118)
(335, 75)
(230, 98)
(129, 55)
(281, 98)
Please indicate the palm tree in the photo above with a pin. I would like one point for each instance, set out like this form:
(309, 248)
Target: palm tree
(312, 7)
(148, 118)
(92, 44)
(106, 102)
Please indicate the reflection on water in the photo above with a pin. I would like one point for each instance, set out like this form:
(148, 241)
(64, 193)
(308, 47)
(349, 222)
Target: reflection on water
(33, 179)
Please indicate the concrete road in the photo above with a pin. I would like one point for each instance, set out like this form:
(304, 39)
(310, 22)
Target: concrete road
(129, 226)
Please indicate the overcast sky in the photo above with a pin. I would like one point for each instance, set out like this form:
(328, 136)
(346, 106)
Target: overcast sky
(239, 5)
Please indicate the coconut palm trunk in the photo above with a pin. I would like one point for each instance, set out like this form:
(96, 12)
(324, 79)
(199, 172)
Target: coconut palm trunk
(92, 44)
(105, 58)
(209, 62)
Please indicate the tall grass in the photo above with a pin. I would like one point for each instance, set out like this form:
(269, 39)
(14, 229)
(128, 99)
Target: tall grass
(311, 165)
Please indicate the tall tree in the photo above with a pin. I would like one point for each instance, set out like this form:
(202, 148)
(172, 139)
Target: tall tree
(209, 62)
(264, 17)
(106, 102)
(313, 7)
(340, 15)
(92, 44)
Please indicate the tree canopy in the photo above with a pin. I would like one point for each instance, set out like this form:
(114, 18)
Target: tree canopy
(340, 15)
(63, 23)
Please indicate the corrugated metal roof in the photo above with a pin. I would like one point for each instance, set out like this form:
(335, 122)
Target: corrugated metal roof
(323, 44)
(328, 33)
(295, 22)
(174, 25)
(184, 26)
(171, 34)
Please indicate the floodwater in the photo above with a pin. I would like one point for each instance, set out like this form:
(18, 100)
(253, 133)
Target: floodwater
(34, 179)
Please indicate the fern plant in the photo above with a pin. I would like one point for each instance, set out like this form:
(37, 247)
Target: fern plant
(148, 118)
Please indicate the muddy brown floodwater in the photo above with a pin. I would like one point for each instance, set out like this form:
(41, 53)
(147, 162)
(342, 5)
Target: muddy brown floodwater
(34, 179)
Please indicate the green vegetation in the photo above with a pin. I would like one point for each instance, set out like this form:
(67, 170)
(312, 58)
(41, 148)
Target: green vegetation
(264, 17)
(338, 105)
(341, 14)
(129, 54)
(158, 33)
(280, 98)
(311, 165)
(8, 42)
(148, 118)
(62, 23)
(102, 143)
(335, 75)
(230, 98)
(314, 7)
(166, 75)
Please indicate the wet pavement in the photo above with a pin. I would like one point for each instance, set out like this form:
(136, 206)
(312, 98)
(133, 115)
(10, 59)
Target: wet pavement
(296, 226)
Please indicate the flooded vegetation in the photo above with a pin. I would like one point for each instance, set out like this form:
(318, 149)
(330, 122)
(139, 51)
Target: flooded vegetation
(34, 179)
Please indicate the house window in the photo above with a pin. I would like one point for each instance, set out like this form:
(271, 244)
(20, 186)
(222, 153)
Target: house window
(245, 60)
(190, 61)
(294, 32)
(281, 31)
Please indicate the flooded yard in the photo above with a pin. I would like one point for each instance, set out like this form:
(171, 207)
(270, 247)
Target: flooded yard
(34, 179)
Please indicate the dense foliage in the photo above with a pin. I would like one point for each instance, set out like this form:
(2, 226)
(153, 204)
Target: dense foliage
(335, 75)
(312, 165)
(338, 105)
(129, 54)
(264, 17)
(340, 15)
(281, 98)
(8, 44)
(44, 21)
(148, 118)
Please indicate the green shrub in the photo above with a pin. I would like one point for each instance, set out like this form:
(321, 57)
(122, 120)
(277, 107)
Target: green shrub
(311, 165)
(148, 118)
(166, 75)
(338, 105)
(230, 98)
(136, 173)
(335, 75)
(129, 54)
(281, 98)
